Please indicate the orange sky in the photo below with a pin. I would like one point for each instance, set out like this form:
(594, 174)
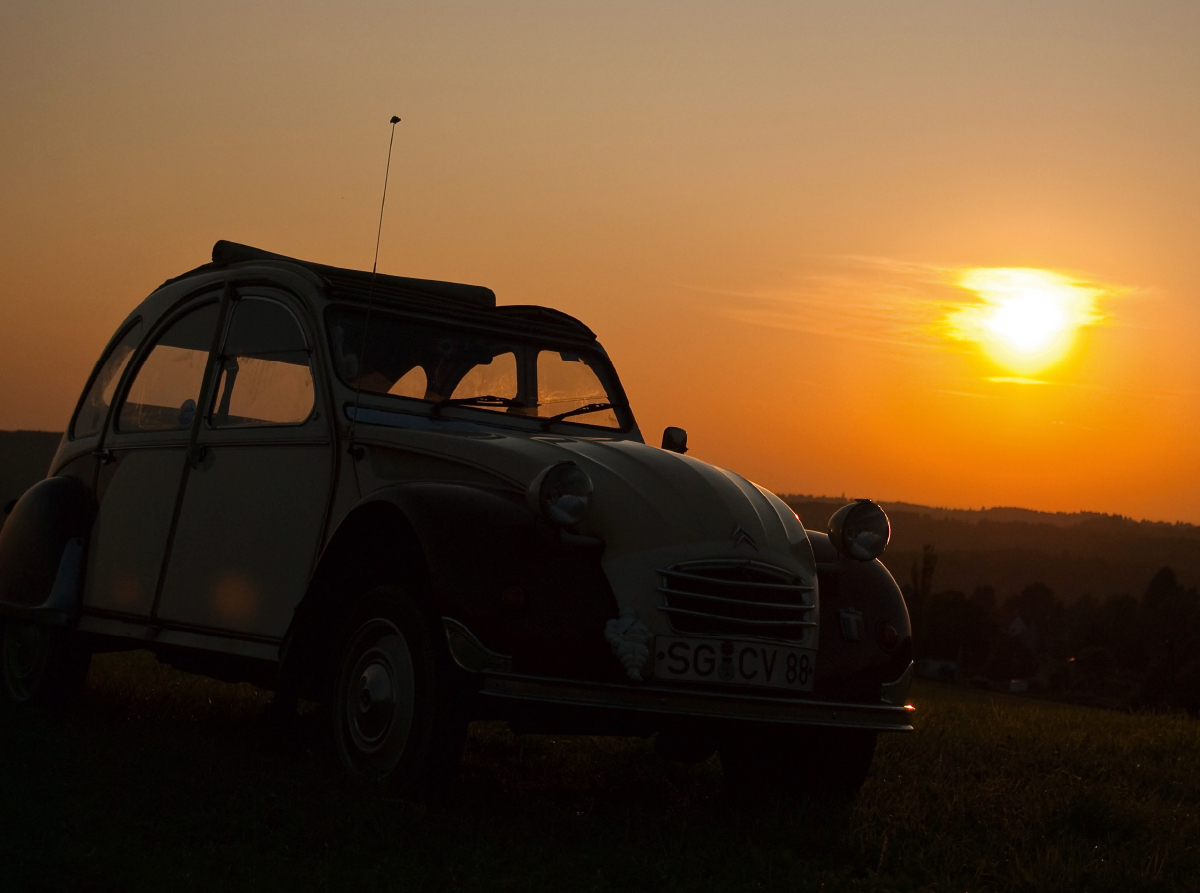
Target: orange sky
(760, 208)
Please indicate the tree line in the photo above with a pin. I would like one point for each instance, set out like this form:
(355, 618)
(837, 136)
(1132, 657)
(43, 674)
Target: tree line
(1141, 650)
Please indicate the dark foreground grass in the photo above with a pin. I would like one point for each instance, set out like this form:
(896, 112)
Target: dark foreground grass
(167, 781)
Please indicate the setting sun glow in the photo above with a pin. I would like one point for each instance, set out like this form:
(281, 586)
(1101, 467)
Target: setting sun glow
(1024, 319)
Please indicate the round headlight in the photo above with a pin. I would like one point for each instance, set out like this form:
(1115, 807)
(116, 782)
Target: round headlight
(562, 494)
(860, 530)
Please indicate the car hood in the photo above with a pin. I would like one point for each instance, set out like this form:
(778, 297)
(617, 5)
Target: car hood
(656, 508)
(652, 508)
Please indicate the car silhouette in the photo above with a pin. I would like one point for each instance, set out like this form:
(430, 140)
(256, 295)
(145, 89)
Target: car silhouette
(419, 508)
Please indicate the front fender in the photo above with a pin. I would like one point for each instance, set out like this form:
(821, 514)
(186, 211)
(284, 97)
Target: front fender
(42, 547)
(492, 566)
(857, 599)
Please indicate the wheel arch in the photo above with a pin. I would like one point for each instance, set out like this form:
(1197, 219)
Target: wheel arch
(420, 535)
(374, 543)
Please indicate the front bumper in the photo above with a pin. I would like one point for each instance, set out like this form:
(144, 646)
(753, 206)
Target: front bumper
(663, 701)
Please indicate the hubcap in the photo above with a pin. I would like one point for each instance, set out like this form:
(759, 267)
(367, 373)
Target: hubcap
(376, 701)
(377, 694)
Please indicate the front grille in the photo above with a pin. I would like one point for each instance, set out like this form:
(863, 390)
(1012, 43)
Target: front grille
(737, 597)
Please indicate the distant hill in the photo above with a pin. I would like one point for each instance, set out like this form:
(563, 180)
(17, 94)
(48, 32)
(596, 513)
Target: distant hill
(998, 513)
(971, 516)
(1009, 548)
(24, 460)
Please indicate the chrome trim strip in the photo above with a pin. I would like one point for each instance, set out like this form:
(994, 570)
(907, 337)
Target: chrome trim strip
(736, 601)
(662, 700)
(212, 642)
(143, 623)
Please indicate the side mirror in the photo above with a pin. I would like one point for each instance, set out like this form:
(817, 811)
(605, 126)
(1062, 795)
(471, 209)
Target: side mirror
(675, 440)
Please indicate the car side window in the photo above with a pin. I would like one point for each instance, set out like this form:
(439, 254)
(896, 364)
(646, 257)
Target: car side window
(89, 420)
(167, 385)
(265, 378)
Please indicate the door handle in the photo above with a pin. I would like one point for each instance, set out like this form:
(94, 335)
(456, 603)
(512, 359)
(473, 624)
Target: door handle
(196, 455)
(105, 456)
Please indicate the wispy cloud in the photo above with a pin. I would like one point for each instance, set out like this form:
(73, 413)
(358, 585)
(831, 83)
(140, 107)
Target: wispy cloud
(876, 300)
(906, 305)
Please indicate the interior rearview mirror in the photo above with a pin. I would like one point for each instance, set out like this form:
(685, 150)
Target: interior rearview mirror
(675, 440)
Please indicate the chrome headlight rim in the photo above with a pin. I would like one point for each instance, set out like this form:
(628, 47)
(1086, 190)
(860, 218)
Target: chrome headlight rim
(860, 530)
(561, 494)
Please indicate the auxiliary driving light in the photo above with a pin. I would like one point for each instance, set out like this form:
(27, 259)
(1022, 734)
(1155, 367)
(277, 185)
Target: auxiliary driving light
(860, 530)
(562, 493)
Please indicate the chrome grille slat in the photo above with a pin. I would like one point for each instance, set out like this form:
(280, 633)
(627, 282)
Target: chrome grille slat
(737, 596)
(724, 619)
(722, 581)
(666, 590)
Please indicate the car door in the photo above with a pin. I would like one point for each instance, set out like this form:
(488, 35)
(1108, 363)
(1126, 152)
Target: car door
(257, 493)
(143, 462)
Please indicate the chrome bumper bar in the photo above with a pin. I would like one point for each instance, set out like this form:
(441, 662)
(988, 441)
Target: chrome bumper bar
(652, 699)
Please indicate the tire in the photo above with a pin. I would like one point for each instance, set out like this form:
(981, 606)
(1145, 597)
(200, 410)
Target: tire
(393, 713)
(768, 762)
(42, 668)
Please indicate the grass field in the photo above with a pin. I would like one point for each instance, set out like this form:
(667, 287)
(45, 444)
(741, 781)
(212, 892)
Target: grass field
(168, 781)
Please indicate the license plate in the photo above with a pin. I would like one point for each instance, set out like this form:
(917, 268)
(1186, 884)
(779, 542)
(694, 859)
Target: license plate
(734, 662)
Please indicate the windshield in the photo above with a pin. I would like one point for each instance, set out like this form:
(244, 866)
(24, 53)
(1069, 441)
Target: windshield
(446, 366)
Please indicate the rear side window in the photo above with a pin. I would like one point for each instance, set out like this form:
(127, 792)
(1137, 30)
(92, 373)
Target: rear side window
(167, 385)
(265, 373)
(94, 408)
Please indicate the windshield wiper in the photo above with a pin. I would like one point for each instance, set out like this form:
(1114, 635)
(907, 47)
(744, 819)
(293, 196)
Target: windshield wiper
(481, 400)
(581, 410)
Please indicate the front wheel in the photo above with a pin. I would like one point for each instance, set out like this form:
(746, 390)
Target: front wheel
(393, 712)
(41, 667)
(797, 761)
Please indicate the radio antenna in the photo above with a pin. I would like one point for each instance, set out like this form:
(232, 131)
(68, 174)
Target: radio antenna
(383, 201)
(371, 289)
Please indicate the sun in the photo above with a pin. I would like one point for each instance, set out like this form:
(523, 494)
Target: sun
(1025, 319)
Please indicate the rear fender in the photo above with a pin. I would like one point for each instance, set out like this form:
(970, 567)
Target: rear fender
(857, 599)
(42, 551)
